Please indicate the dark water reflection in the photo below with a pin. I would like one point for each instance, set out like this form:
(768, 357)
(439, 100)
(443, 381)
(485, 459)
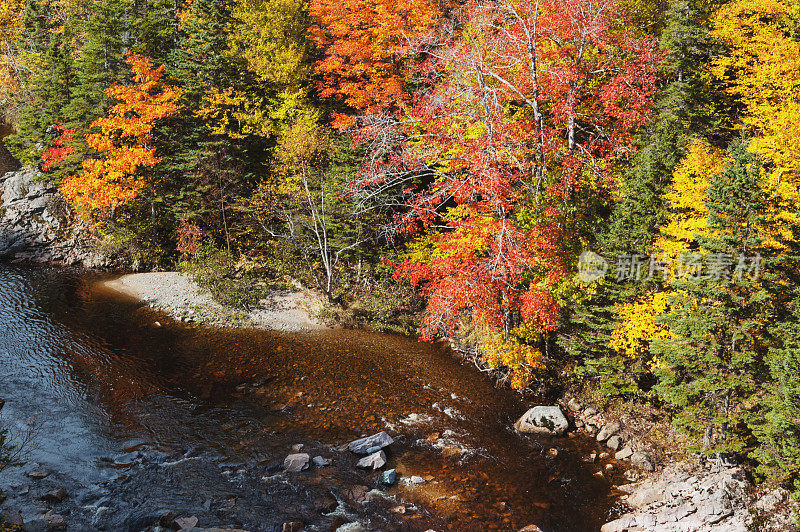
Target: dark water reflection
(96, 371)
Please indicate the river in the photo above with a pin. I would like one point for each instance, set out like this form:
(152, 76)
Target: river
(135, 415)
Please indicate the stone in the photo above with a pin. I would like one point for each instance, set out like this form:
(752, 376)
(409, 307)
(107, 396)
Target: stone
(297, 447)
(622, 524)
(624, 454)
(643, 461)
(400, 509)
(644, 497)
(373, 461)
(614, 442)
(389, 477)
(552, 452)
(609, 467)
(544, 420)
(574, 405)
(38, 474)
(293, 526)
(603, 455)
(770, 500)
(184, 523)
(326, 504)
(415, 480)
(364, 445)
(352, 527)
(321, 462)
(55, 521)
(357, 494)
(296, 462)
(55, 496)
(530, 528)
(608, 430)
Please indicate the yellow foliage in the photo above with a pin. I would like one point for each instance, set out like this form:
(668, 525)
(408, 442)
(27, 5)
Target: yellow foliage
(10, 26)
(762, 69)
(125, 141)
(687, 197)
(521, 359)
(638, 326)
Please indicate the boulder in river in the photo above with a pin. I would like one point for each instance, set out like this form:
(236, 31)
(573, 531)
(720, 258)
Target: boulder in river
(38, 474)
(371, 444)
(389, 477)
(296, 462)
(546, 420)
(373, 461)
(319, 461)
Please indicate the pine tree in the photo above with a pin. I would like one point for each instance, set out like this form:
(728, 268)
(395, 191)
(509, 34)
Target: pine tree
(100, 63)
(707, 366)
(46, 86)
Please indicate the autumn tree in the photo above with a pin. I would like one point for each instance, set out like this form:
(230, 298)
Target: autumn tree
(366, 48)
(125, 143)
(508, 153)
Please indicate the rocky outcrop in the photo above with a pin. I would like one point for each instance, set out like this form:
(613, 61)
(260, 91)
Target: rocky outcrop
(693, 498)
(36, 225)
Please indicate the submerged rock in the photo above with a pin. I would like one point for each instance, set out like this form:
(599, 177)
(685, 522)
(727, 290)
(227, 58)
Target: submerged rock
(546, 420)
(370, 444)
(55, 496)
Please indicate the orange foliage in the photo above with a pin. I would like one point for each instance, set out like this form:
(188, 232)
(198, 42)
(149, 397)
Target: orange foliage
(365, 43)
(124, 142)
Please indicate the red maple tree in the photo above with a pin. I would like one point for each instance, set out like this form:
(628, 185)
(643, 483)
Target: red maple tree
(526, 109)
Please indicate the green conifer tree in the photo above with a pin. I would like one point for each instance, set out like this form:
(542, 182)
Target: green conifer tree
(707, 369)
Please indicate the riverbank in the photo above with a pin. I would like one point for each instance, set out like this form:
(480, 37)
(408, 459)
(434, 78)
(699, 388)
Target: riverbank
(669, 489)
(178, 295)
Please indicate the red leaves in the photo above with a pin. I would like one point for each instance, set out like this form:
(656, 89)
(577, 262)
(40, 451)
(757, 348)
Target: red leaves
(520, 114)
(59, 149)
(124, 142)
(365, 44)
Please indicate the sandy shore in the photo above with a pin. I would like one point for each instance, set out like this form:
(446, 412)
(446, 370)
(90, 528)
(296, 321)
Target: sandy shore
(178, 295)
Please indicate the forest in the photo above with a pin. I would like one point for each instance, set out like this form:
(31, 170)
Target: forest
(589, 193)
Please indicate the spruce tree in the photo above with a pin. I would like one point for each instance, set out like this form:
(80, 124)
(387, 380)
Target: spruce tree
(706, 368)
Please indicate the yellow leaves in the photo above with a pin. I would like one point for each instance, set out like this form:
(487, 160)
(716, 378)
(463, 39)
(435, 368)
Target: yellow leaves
(687, 197)
(762, 69)
(124, 142)
(638, 326)
(10, 26)
(520, 358)
(271, 39)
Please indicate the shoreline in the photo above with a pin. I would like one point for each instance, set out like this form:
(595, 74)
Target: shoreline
(178, 295)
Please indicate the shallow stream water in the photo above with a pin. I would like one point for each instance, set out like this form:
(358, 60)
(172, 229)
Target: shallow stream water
(100, 379)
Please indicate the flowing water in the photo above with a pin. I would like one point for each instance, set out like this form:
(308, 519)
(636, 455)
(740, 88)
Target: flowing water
(98, 376)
